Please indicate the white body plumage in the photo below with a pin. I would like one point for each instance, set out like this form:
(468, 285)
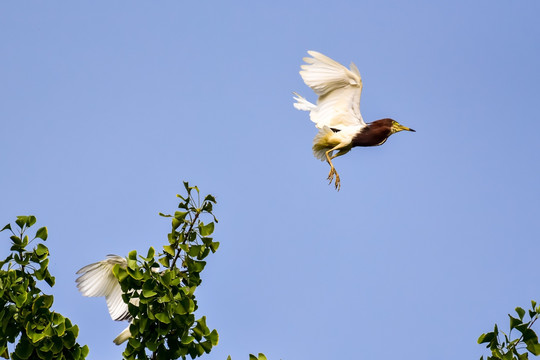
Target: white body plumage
(337, 113)
(338, 105)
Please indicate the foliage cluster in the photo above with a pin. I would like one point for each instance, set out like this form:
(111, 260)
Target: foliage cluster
(158, 288)
(25, 311)
(164, 322)
(518, 347)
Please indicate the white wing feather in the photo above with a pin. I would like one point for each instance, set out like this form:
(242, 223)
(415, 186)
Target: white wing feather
(339, 91)
(98, 280)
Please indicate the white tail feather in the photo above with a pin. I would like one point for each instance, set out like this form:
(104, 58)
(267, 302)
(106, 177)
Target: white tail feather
(302, 104)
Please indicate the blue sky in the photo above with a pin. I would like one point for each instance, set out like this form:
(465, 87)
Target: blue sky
(108, 106)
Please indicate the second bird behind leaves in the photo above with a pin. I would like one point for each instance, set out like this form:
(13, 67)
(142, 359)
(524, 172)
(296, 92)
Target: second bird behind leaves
(337, 113)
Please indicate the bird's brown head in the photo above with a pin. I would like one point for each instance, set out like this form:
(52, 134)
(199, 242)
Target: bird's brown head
(377, 132)
(396, 127)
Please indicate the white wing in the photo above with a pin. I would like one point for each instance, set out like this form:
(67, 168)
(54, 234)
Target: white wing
(339, 92)
(98, 280)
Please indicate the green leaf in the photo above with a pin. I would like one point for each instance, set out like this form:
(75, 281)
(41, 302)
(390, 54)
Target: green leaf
(132, 264)
(514, 322)
(136, 274)
(60, 329)
(534, 348)
(48, 331)
(207, 229)
(16, 240)
(119, 272)
(19, 299)
(186, 185)
(520, 312)
(169, 250)
(32, 334)
(44, 263)
(180, 215)
(58, 319)
(31, 220)
(42, 233)
(49, 280)
(164, 215)
(207, 346)
(132, 255)
(165, 278)
(252, 357)
(508, 356)
(41, 250)
(180, 309)
(186, 339)
(149, 293)
(214, 337)
(207, 207)
(8, 226)
(522, 327)
(42, 302)
(163, 318)
(150, 254)
(529, 335)
(57, 344)
(176, 223)
(214, 246)
(84, 351)
(196, 266)
(164, 261)
(165, 298)
(24, 349)
(486, 338)
(201, 329)
(21, 221)
(184, 247)
(261, 356)
(194, 250)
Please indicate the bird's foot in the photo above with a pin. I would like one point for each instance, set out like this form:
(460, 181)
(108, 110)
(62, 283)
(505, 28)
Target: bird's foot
(331, 175)
(338, 183)
(331, 178)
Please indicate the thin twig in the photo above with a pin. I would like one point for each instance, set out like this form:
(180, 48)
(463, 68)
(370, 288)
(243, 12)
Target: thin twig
(186, 237)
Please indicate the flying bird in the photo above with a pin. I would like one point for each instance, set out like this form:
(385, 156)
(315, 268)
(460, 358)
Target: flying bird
(337, 113)
(97, 279)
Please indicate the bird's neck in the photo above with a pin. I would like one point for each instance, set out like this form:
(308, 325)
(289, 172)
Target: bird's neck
(373, 134)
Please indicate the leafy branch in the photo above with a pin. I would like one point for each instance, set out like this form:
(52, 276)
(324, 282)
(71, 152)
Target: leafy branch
(517, 348)
(25, 313)
(164, 325)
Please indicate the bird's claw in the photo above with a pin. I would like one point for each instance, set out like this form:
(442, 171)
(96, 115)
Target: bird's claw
(331, 178)
(331, 175)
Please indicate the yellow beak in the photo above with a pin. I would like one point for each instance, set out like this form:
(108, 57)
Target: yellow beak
(400, 127)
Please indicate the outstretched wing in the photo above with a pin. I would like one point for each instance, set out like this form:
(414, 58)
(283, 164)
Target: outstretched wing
(98, 280)
(338, 88)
